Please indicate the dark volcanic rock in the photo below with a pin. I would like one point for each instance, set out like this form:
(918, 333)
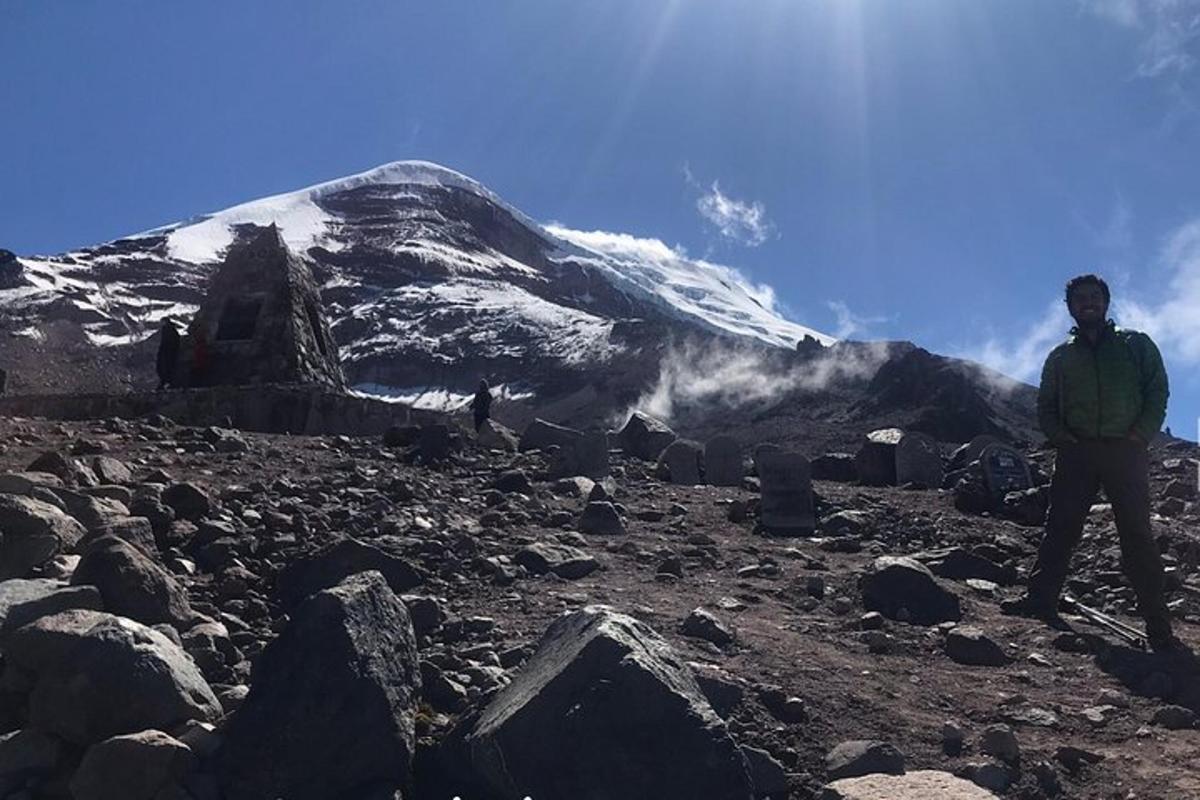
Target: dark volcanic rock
(601, 518)
(97, 675)
(138, 766)
(644, 437)
(540, 435)
(131, 584)
(834, 467)
(188, 501)
(606, 695)
(563, 560)
(959, 564)
(331, 710)
(680, 462)
(334, 562)
(875, 461)
(31, 533)
(23, 601)
(967, 644)
(859, 757)
(903, 588)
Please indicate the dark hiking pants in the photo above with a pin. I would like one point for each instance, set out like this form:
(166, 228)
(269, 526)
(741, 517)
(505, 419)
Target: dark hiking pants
(1122, 467)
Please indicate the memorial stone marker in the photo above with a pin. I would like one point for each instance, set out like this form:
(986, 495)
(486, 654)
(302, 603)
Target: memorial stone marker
(1005, 470)
(682, 462)
(876, 458)
(918, 461)
(723, 461)
(787, 500)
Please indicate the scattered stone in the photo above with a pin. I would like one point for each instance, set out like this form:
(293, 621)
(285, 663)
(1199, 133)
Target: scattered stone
(1027, 506)
(862, 757)
(26, 754)
(701, 624)
(514, 481)
(22, 601)
(1174, 718)
(953, 738)
(628, 716)
(1001, 742)
(967, 644)
(766, 774)
(587, 455)
(97, 675)
(332, 563)
(333, 703)
(494, 436)
(601, 519)
(564, 561)
(959, 564)
(542, 435)
(69, 470)
(188, 501)
(31, 533)
(918, 785)
(994, 777)
(1076, 758)
(111, 471)
(25, 482)
(131, 584)
(434, 443)
(139, 766)
(900, 587)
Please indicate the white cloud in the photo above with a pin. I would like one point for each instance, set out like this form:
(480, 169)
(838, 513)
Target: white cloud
(1173, 322)
(1019, 353)
(1169, 31)
(850, 324)
(740, 221)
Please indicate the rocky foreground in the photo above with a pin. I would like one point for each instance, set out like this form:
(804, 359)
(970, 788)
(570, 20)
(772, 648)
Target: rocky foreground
(208, 614)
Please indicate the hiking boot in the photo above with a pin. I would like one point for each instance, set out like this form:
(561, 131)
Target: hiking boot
(1163, 641)
(1026, 606)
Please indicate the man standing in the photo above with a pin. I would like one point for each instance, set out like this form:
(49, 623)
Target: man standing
(481, 406)
(168, 354)
(1102, 399)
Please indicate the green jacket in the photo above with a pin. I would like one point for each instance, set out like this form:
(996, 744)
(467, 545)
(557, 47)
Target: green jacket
(1107, 390)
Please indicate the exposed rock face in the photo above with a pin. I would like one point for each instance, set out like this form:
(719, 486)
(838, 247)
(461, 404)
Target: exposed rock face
(331, 711)
(12, 274)
(605, 694)
(97, 675)
(261, 322)
(31, 533)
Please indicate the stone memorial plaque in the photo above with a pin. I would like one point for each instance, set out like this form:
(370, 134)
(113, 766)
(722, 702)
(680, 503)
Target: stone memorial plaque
(876, 457)
(918, 461)
(787, 501)
(1005, 470)
(973, 450)
(723, 461)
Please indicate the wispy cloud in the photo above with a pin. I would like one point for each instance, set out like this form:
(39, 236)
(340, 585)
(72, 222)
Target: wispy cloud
(849, 324)
(1020, 352)
(1169, 31)
(1173, 321)
(741, 221)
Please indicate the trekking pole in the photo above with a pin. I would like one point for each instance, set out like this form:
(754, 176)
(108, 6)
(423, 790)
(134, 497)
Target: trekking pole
(1126, 632)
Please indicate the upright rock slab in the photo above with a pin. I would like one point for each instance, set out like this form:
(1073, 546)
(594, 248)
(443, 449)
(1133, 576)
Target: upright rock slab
(787, 499)
(918, 461)
(876, 457)
(723, 461)
(681, 462)
(331, 709)
(603, 709)
(644, 437)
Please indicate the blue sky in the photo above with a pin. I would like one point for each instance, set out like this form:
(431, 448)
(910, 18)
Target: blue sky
(931, 170)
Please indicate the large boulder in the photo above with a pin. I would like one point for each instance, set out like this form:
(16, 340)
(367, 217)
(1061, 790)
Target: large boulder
(606, 695)
(563, 560)
(93, 512)
(25, 482)
(875, 461)
(334, 562)
(131, 584)
(644, 437)
(863, 757)
(187, 500)
(71, 471)
(331, 710)
(22, 601)
(601, 518)
(31, 533)
(542, 435)
(97, 675)
(903, 588)
(494, 436)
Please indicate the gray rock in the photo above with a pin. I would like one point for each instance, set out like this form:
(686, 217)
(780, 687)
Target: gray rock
(723, 461)
(644, 437)
(515, 480)
(959, 564)
(495, 436)
(601, 519)
(563, 560)
(92, 512)
(919, 785)
(898, 584)
(625, 713)
(26, 754)
(967, 644)
(918, 461)
(701, 624)
(136, 530)
(1174, 718)
(131, 584)
(875, 460)
(332, 563)
(1001, 742)
(110, 470)
(69, 470)
(680, 462)
(22, 601)
(138, 766)
(767, 774)
(834, 467)
(863, 757)
(31, 533)
(25, 482)
(993, 777)
(333, 702)
(97, 675)
(188, 501)
(541, 435)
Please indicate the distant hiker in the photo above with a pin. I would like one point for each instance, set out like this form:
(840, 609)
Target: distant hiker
(168, 354)
(481, 406)
(3, 380)
(1102, 399)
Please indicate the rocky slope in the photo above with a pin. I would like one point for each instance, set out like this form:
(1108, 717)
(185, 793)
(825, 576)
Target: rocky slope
(428, 655)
